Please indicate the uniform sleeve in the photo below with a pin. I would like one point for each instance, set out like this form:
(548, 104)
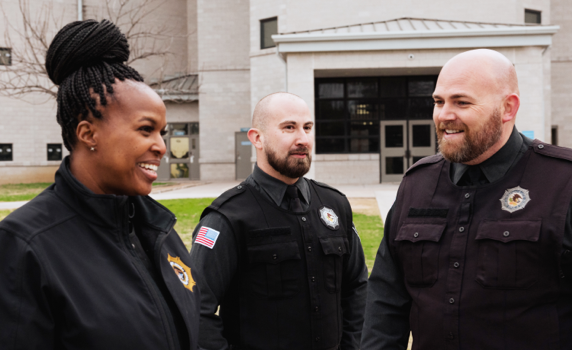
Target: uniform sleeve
(25, 317)
(354, 290)
(215, 270)
(388, 304)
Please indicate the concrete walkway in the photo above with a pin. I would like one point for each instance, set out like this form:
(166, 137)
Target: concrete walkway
(383, 193)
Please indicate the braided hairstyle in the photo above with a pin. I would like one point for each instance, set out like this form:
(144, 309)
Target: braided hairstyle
(86, 55)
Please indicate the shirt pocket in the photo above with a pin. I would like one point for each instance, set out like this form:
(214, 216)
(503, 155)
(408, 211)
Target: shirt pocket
(334, 249)
(275, 269)
(509, 253)
(418, 248)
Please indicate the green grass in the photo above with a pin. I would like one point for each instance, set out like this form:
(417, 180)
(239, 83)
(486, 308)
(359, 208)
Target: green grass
(21, 192)
(4, 213)
(159, 183)
(370, 231)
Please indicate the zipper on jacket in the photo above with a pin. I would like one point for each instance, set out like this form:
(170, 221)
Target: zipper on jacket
(165, 313)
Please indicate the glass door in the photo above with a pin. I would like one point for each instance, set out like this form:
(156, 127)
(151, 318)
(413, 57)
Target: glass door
(393, 149)
(421, 140)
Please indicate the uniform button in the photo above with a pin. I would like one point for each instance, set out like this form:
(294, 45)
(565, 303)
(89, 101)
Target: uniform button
(239, 187)
(303, 218)
(541, 146)
(318, 338)
(313, 279)
(467, 195)
(339, 249)
(456, 264)
(309, 249)
(133, 245)
(451, 301)
(316, 309)
(416, 234)
(506, 233)
(274, 256)
(451, 336)
(461, 229)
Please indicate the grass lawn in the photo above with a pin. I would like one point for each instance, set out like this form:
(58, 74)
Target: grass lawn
(21, 192)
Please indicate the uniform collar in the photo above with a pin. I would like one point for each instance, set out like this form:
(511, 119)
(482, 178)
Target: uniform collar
(276, 189)
(499, 163)
(107, 209)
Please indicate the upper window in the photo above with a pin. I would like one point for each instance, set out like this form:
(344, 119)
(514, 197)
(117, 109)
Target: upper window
(268, 27)
(6, 151)
(54, 151)
(5, 57)
(531, 16)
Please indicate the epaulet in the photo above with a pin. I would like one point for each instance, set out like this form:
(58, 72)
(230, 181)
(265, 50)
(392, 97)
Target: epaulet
(549, 150)
(425, 161)
(217, 203)
(321, 184)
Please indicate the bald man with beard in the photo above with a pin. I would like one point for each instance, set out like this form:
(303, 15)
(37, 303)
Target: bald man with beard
(278, 256)
(476, 248)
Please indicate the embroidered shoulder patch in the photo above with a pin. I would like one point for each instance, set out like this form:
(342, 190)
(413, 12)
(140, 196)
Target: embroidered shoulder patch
(182, 271)
(207, 237)
(329, 218)
(514, 199)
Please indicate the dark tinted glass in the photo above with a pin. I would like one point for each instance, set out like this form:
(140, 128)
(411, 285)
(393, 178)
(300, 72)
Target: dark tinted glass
(392, 87)
(329, 145)
(5, 57)
(331, 110)
(421, 135)
(268, 28)
(421, 108)
(421, 86)
(393, 136)
(393, 109)
(416, 159)
(179, 129)
(194, 128)
(5, 151)
(363, 110)
(531, 16)
(54, 151)
(330, 128)
(331, 90)
(393, 165)
(364, 145)
(365, 128)
(362, 88)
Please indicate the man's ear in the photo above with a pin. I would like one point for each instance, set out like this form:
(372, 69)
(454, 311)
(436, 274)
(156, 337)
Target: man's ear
(255, 136)
(86, 134)
(511, 105)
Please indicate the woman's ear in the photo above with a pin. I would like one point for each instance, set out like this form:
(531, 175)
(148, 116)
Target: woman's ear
(86, 134)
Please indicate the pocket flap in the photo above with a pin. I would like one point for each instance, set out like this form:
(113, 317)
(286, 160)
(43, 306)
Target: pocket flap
(510, 230)
(337, 245)
(273, 253)
(421, 232)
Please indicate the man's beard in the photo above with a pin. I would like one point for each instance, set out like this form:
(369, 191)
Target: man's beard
(289, 166)
(475, 142)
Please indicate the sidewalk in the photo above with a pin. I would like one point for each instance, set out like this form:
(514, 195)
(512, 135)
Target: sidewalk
(383, 193)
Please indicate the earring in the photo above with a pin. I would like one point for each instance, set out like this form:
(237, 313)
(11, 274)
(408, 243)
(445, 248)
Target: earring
(92, 149)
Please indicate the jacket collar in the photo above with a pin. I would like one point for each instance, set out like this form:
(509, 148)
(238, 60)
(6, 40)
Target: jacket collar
(109, 210)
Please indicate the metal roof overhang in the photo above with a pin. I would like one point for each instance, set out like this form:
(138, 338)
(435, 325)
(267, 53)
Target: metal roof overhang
(412, 40)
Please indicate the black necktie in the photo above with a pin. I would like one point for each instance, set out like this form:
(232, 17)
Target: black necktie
(473, 176)
(295, 204)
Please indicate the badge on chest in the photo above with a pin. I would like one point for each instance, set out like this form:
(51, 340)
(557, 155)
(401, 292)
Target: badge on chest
(329, 218)
(514, 199)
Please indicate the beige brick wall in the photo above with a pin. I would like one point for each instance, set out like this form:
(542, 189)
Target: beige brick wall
(27, 174)
(182, 112)
(354, 169)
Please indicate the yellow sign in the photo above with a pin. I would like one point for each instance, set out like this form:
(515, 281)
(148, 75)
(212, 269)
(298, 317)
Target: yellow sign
(182, 271)
(179, 147)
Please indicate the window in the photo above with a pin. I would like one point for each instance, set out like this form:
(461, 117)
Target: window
(6, 151)
(54, 151)
(349, 110)
(531, 16)
(554, 135)
(268, 27)
(5, 57)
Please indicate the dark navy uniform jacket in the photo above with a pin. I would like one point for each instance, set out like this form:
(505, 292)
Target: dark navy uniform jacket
(71, 277)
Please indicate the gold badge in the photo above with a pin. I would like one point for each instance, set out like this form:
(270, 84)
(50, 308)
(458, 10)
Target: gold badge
(182, 271)
(514, 199)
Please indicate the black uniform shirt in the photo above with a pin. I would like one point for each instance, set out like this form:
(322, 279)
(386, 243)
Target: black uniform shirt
(388, 303)
(223, 264)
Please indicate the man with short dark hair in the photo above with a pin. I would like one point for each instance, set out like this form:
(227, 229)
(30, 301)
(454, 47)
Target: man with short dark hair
(476, 251)
(279, 253)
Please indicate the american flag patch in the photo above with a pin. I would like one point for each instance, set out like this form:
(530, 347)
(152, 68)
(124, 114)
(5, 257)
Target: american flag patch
(207, 237)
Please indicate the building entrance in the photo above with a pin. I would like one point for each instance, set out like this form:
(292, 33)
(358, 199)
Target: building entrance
(181, 161)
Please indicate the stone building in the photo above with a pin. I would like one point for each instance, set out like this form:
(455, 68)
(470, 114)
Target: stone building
(366, 69)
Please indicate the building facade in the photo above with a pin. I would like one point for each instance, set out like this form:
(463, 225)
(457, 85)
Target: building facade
(366, 69)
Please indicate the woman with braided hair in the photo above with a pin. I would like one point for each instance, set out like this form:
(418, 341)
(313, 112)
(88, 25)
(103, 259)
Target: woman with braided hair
(93, 262)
